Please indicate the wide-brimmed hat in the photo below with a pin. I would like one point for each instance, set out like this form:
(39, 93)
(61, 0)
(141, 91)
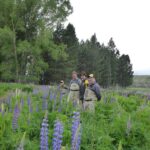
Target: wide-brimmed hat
(61, 81)
(91, 75)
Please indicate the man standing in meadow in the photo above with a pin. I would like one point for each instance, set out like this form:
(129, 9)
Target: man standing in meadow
(92, 93)
(63, 87)
(74, 88)
(84, 85)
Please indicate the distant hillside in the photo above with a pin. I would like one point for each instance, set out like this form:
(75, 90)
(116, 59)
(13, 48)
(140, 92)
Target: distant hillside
(141, 81)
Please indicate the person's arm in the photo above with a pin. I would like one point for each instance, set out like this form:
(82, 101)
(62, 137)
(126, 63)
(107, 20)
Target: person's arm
(82, 90)
(70, 85)
(97, 92)
(66, 87)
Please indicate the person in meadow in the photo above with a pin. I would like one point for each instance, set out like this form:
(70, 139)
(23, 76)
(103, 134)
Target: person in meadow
(74, 89)
(84, 85)
(92, 94)
(63, 87)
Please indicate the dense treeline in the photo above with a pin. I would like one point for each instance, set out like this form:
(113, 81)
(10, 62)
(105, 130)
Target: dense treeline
(36, 47)
(109, 67)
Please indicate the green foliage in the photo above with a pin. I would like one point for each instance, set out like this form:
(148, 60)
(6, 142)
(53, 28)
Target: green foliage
(6, 65)
(10, 88)
(118, 122)
(125, 73)
(141, 81)
(35, 47)
(25, 34)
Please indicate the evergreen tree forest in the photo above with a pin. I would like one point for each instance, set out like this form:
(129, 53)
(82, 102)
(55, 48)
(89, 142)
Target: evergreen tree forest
(36, 46)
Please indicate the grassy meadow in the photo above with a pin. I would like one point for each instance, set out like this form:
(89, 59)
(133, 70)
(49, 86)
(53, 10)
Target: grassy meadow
(121, 120)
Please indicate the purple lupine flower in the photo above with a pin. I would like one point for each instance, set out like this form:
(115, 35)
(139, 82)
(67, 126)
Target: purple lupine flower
(60, 104)
(148, 97)
(45, 91)
(22, 102)
(58, 87)
(15, 118)
(30, 109)
(35, 91)
(45, 95)
(28, 101)
(74, 103)
(29, 105)
(8, 101)
(61, 96)
(57, 136)
(44, 104)
(44, 88)
(55, 95)
(51, 96)
(59, 109)
(54, 98)
(76, 132)
(37, 108)
(44, 135)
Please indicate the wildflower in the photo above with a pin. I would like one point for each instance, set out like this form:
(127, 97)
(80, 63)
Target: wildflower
(60, 104)
(44, 104)
(51, 96)
(76, 132)
(45, 95)
(37, 108)
(30, 109)
(22, 102)
(44, 135)
(35, 91)
(54, 97)
(8, 101)
(57, 136)
(15, 118)
(28, 101)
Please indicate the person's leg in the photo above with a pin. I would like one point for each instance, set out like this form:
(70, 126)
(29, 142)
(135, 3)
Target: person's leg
(76, 97)
(86, 105)
(92, 106)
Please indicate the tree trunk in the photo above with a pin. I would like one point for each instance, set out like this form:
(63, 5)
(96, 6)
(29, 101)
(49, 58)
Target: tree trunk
(15, 53)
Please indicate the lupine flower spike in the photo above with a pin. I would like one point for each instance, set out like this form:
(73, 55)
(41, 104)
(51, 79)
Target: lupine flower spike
(76, 132)
(44, 134)
(57, 136)
(15, 118)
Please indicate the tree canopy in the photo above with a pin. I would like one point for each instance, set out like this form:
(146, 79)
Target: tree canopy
(35, 46)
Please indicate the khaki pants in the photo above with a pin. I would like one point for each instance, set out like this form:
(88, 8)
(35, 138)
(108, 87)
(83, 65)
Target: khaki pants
(89, 105)
(74, 97)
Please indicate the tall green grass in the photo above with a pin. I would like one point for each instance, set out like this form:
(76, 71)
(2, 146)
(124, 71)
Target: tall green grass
(119, 122)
